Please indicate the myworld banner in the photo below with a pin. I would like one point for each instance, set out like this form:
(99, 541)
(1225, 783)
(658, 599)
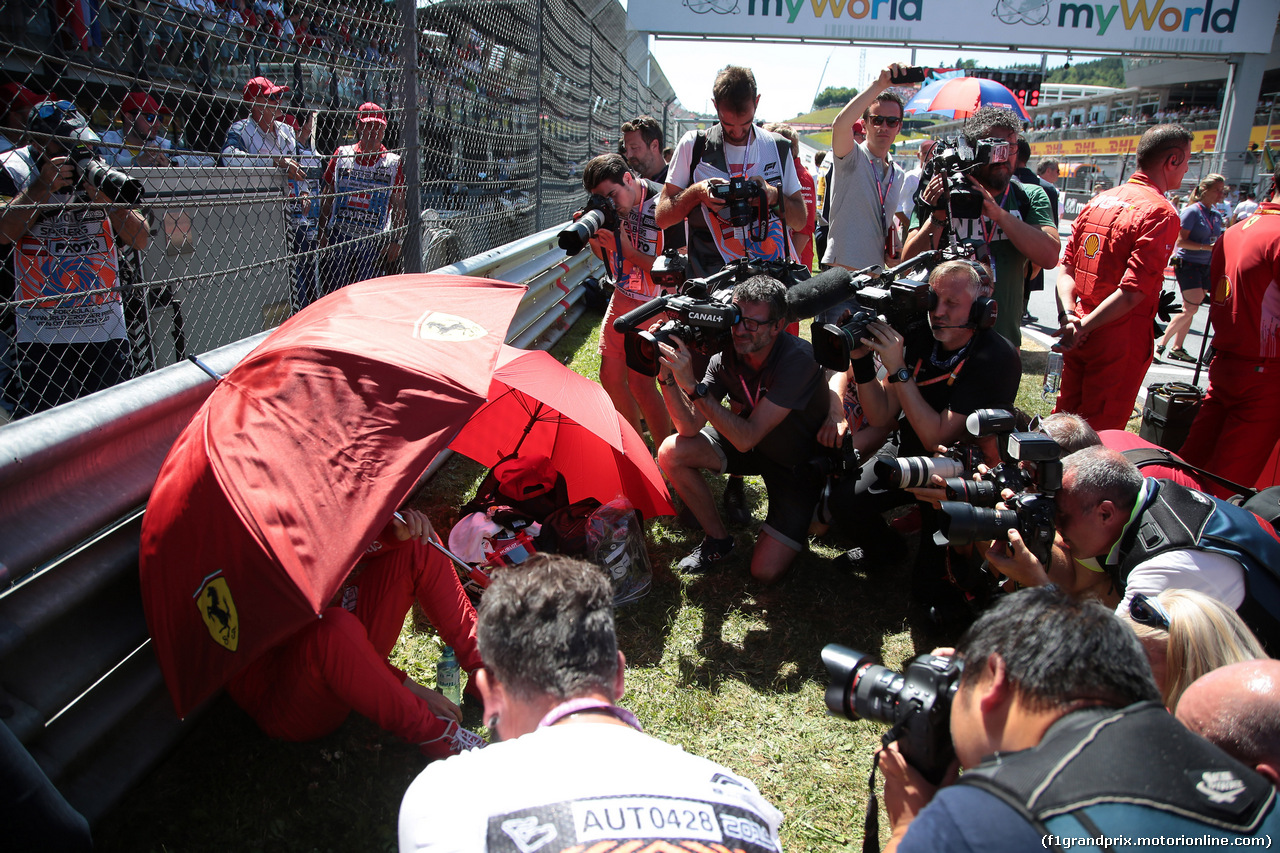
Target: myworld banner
(1139, 26)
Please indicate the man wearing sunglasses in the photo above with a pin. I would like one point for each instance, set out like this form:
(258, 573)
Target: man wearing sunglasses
(778, 401)
(1016, 221)
(865, 183)
(1121, 534)
(263, 139)
(59, 256)
(1059, 726)
(138, 142)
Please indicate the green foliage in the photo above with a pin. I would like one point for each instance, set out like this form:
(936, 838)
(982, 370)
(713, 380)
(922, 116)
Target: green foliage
(1108, 71)
(834, 96)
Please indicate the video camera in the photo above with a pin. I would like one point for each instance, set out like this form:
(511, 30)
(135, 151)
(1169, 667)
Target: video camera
(744, 200)
(953, 158)
(915, 702)
(599, 212)
(1038, 460)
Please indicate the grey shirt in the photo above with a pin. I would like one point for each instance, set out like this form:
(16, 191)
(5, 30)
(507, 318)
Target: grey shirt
(858, 217)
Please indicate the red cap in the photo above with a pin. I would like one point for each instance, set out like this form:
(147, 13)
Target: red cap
(261, 87)
(370, 111)
(291, 121)
(16, 95)
(139, 102)
(860, 127)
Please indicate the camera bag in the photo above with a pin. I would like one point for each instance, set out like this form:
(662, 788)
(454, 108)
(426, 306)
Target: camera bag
(1168, 413)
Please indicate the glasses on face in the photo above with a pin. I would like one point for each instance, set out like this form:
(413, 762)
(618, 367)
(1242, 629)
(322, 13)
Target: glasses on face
(752, 325)
(1148, 611)
(49, 110)
(891, 121)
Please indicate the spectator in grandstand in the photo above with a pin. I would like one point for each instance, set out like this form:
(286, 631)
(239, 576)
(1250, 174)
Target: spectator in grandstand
(629, 254)
(802, 239)
(642, 146)
(1110, 282)
(363, 213)
(1237, 709)
(70, 333)
(552, 679)
(1201, 226)
(1186, 634)
(16, 101)
(865, 184)
(138, 142)
(262, 139)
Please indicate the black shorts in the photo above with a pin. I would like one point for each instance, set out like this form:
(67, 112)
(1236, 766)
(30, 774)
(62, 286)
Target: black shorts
(1191, 276)
(793, 491)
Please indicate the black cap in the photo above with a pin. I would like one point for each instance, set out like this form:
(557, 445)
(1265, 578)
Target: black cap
(60, 119)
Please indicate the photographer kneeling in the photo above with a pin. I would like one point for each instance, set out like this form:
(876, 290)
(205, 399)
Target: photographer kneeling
(779, 401)
(1054, 719)
(934, 382)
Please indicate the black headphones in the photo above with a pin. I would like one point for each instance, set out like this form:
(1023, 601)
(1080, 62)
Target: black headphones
(983, 311)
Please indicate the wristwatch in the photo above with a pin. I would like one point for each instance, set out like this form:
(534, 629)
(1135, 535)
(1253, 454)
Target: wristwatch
(699, 391)
(902, 374)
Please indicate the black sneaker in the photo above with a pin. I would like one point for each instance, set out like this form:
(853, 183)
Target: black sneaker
(735, 502)
(708, 552)
(1028, 318)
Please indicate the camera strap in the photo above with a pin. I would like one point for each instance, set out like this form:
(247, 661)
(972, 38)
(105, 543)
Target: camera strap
(871, 823)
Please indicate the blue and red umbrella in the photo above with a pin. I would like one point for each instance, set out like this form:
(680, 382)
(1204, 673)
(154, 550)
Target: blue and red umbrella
(960, 97)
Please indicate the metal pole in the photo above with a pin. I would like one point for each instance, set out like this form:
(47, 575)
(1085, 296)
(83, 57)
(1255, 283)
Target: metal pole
(412, 252)
(537, 34)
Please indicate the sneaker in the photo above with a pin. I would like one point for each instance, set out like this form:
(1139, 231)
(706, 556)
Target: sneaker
(735, 502)
(1160, 351)
(708, 552)
(453, 741)
(1028, 318)
(1182, 355)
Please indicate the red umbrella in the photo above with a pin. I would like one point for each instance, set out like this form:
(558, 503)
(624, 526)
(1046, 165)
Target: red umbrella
(298, 459)
(960, 97)
(537, 405)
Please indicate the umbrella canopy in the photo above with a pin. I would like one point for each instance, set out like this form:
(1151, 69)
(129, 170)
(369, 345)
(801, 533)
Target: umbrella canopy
(537, 405)
(297, 460)
(960, 97)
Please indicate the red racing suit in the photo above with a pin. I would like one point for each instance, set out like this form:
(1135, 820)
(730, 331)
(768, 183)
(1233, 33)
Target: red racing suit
(1238, 425)
(1121, 240)
(305, 687)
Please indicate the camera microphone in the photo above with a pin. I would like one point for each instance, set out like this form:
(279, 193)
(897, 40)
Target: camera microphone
(827, 288)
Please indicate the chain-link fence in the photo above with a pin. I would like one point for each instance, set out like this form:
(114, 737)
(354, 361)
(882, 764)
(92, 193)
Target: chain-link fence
(184, 173)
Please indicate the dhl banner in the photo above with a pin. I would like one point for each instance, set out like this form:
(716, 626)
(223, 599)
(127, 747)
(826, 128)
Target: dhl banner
(1203, 141)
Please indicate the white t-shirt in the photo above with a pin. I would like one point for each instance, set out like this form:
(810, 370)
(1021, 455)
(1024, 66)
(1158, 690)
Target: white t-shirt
(580, 784)
(1216, 575)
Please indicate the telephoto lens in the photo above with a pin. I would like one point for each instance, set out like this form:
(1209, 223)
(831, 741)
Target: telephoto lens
(912, 472)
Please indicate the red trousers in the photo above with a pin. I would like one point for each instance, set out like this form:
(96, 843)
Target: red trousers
(1238, 424)
(305, 687)
(1101, 378)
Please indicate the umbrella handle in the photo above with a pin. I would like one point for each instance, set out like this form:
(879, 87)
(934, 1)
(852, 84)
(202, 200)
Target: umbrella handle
(435, 543)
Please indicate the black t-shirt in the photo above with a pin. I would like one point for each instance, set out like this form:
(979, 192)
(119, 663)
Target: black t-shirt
(791, 379)
(983, 375)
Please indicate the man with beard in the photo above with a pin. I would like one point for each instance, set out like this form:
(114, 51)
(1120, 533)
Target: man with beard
(778, 402)
(1016, 222)
(642, 146)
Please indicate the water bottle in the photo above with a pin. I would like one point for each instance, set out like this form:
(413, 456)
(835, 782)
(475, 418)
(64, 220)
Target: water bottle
(1052, 375)
(449, 676)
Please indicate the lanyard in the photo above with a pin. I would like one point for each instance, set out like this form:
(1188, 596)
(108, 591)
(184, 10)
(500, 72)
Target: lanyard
(633, 225)
(577, 706)
(754, 398)
(988, 235)
(950, 377)
(882, 190)
(747, 151)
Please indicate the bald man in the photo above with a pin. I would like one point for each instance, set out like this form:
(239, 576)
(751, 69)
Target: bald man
(1237, 708)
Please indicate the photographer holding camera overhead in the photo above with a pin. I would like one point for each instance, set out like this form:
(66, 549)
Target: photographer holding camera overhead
(1050, 706)
(1013, 219)
(627, 242)
(62, 265)
(734, 184)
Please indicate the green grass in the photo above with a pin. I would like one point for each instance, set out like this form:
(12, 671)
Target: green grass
(717, 664)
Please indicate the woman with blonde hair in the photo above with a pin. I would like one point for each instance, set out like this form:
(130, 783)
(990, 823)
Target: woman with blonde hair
(1201, 228)
(1186, 634)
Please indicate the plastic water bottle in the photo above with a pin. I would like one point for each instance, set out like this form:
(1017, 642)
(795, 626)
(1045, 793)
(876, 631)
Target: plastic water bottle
(449, 676)
(1052, 375)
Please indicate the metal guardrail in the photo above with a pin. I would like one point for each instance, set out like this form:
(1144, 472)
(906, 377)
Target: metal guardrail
(79, 685)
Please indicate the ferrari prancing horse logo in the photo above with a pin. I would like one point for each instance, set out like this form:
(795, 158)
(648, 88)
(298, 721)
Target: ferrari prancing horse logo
(438, 326)
(218, 611)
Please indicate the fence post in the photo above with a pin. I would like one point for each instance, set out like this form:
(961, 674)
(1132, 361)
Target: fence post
(412, 251)
(538, 34)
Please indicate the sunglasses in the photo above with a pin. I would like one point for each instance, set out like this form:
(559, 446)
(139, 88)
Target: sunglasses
(1148, 611)
(149, 116)
(50, 109)
(753, 325)
(891, 121)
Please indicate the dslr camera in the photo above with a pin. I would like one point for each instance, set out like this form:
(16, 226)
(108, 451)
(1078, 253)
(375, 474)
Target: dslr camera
(953, 158)
(599, 212)
(1030, 512)
(743, 199)
(915, 702)
(68, 131)
(913, 472)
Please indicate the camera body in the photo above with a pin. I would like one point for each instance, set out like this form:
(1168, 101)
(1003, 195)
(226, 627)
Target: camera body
(705, 326)
(903, 304)
(741, 197)
(599, 212)
(953, 158)
(670, 270)
(915, 702)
